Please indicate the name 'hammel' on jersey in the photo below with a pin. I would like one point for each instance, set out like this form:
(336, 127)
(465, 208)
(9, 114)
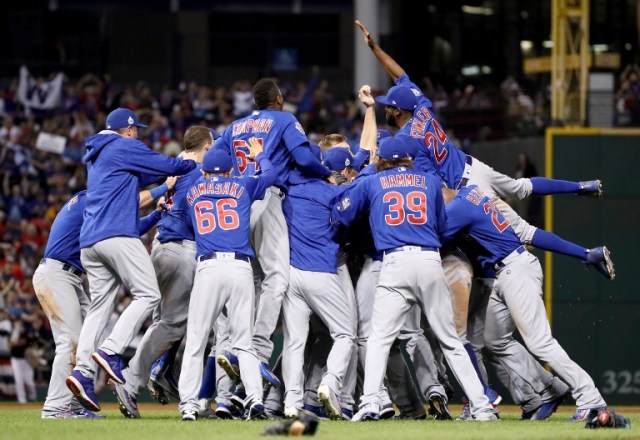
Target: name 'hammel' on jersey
(210, 187)
(403, 180)
(262, 125)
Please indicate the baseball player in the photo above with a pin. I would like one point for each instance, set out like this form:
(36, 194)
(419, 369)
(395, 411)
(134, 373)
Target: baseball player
(516, 300)
(406, 216)
(174, 261)
(287, 147)
(57, 282)
(314, 287)
(117, 165)
(407, 108)
(219, 209)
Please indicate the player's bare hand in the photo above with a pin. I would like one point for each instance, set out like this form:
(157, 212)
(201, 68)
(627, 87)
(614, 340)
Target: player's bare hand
(160, 205)
(255, 147)
(171, 181)
(367, 35)
(365, 96)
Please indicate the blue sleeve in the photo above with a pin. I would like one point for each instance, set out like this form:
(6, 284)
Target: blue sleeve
(141, 159)
(146, 180)
(308, 163)
(354, 200)
(148, 221)
(264, 180)
(457, 219)
(360, 158)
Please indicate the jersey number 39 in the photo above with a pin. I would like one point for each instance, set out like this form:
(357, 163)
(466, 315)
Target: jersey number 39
(412, 208)
(222, 216)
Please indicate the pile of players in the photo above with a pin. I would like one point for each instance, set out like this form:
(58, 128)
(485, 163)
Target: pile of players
(367, 260)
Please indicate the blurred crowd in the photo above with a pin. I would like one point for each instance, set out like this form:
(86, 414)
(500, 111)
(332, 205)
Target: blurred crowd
(35, 183)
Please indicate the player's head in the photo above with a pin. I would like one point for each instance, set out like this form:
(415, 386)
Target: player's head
(266, 94)
(333, 140)
(340, 160)
(217, 161)
(394, 152)
(399, 104)
(197, 140)
(124, 122)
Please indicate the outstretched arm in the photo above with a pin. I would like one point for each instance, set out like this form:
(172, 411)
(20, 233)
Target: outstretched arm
(369, 137)
(393, 69)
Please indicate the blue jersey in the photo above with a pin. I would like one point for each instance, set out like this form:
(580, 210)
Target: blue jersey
(220, 209)
(405, 208)
(280, 134)
(116, 169)
(474, 214)
(434, 151)
(312, 237)
(64, 238)
(174, 224)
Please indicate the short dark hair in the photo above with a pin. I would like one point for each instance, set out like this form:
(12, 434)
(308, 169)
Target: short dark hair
(265, 93)
(196, 137)
(387, 164)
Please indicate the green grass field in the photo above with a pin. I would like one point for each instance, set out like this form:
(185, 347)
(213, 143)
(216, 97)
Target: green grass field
(160, 423)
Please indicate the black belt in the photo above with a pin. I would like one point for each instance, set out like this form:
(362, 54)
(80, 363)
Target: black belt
(215, 256)
(500, 264)
(416, 248)
(66, 267)
(463, 182)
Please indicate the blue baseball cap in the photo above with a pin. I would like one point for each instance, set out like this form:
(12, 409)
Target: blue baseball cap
(214, 134)
(337, 158)
(121, 118)
(401, 97)
(393, 148)
(217, 160)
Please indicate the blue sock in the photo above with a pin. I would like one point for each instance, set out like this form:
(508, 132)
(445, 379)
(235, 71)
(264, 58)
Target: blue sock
(208, 386)
(474, 362)
(551, 242)
(543, 186)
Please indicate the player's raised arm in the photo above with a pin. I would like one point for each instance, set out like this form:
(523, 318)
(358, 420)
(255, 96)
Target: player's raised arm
(369, 137)
(393, 69)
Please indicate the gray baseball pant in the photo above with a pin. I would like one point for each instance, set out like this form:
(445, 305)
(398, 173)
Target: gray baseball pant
(175, 266)
(109, 262)
(65, 303)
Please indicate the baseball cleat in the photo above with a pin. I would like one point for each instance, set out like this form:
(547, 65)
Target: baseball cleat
(600, 259)
(112, 364)
(128, 404)
(438, 407)
(58, 415)
(167, 383)
(331, 402)
(157, 392)
(368, 411)
(268, 376)
(229, 363)
(238, 397)
(291, 412)
(411, 415)
(586, 413)
(590, 188)
(204, 410)
(319, 411)
(227, 412)
(486, 416)
(466, 412)
(256, 411)
(86, 414)
(83, 388)
(528, 415)
(387, 411)
(189, 415)
(548, 408)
